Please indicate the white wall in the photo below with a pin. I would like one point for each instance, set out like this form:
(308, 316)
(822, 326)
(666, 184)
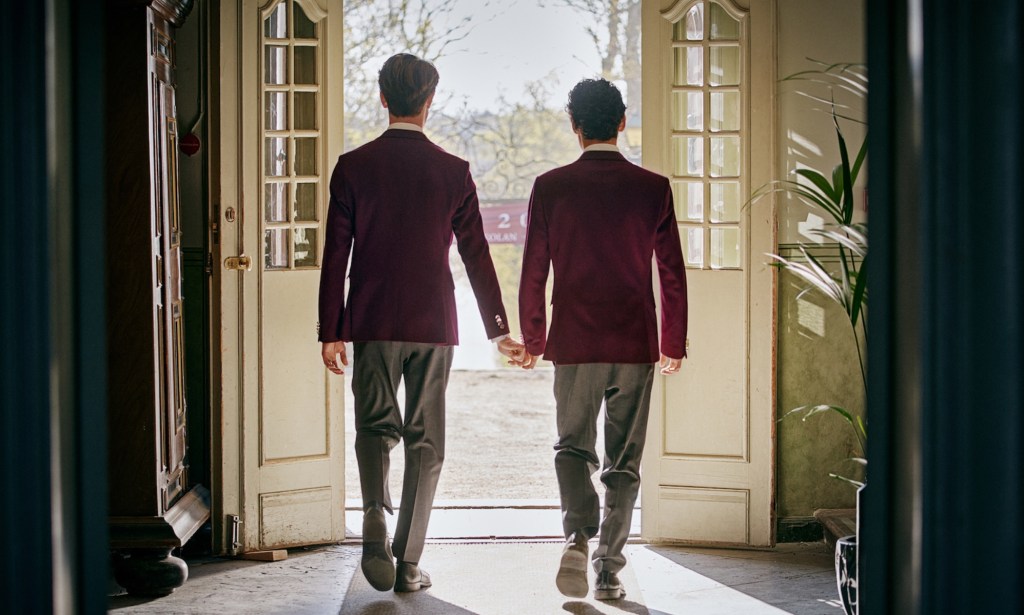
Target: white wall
(830, 31)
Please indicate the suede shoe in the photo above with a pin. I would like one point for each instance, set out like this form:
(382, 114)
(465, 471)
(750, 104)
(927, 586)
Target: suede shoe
(411, 578)
(572, 570)
(608, 586)
(378, 563)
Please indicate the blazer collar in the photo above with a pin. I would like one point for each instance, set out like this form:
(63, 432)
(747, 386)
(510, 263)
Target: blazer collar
(602, 155)
(398, 133)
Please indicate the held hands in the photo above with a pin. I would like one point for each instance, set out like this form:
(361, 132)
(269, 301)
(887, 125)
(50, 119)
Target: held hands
(515, 350)
(669, 365)
(333, 354)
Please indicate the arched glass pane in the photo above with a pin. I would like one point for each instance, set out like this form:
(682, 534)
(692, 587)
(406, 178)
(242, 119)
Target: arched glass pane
(691, 26)
(276, 24)
(723, 26)
(304, 28)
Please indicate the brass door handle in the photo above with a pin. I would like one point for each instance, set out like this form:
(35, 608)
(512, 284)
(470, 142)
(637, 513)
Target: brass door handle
(238, 263)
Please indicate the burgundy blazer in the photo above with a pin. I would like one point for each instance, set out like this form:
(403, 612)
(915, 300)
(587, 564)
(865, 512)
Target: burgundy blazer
(598, 222)
(396, 203)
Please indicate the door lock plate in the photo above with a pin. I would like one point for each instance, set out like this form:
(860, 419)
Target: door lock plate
(238, 263)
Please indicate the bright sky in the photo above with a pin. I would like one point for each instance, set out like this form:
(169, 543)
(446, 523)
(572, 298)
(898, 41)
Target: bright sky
(513, 42)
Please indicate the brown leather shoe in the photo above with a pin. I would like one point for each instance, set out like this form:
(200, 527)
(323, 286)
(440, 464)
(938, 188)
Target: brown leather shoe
(608, 586)
(378, 563)
(411, 578)
(572, 570)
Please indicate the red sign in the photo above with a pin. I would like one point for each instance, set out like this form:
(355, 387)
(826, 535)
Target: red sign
(505, 221)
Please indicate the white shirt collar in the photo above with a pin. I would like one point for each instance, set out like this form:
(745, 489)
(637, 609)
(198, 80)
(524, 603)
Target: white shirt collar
(598, 147)
(406, 126)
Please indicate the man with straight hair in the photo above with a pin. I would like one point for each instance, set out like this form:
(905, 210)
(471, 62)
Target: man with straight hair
(600, 222)
(396, 204)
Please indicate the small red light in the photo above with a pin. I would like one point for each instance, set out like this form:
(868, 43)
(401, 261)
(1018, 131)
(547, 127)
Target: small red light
(189, 144)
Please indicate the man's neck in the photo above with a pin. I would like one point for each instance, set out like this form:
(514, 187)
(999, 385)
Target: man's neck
(418, 120)
(585, 143)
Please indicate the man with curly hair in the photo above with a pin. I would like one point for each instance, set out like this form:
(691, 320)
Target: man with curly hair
(600, 223)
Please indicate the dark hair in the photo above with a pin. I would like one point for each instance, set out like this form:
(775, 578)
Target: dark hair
(406, 83)
(596, 108)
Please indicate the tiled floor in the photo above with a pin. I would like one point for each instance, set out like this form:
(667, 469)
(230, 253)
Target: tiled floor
(498, 577)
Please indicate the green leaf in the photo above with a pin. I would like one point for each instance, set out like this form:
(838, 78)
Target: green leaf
(856, 483)
(820, 182)
(859, 289)
(859, 160)
(844, 156)
(819, 279)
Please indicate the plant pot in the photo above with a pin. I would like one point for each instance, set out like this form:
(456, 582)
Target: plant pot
(846, 572)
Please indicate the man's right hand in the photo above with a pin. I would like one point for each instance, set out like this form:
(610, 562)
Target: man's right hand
(669, 365)
(514, 349)
(333, 354)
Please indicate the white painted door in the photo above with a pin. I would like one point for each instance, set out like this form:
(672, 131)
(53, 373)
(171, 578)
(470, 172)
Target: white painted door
(708, 83)
(281, 417)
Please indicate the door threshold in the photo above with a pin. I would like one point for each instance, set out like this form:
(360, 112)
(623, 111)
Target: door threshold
(484, 520)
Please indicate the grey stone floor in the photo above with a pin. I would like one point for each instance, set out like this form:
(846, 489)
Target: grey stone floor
(511, 578)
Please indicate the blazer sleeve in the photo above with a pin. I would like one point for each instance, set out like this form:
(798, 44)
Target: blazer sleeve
(337, 245)
(534, 278)
(672, 275)
(468, 227)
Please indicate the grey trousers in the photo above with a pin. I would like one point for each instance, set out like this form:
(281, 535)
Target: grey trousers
(580, 390)
(379, 368)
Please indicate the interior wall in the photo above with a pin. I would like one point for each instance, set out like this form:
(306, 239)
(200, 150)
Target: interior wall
(817, 360)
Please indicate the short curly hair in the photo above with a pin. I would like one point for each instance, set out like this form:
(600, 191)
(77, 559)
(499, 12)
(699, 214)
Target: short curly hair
(406, 82)
(596, 108)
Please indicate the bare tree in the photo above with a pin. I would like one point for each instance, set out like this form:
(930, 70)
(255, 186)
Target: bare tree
(376, 29)
(615, 31)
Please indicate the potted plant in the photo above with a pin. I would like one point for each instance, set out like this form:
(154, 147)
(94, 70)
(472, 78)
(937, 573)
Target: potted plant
(846, 284)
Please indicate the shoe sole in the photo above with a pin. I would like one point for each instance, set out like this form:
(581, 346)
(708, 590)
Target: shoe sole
(572, 575)
(378, 568)
(608, 594)
(377, 563)
(410, 587)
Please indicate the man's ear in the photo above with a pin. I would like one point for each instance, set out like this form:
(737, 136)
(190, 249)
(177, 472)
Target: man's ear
(622, 123)
(572, 123)
(383, 101)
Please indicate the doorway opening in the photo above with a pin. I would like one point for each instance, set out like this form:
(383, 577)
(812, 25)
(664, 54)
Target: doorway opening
(500, 105)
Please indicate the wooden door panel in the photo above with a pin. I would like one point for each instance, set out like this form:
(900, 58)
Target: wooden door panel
(707, 96)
